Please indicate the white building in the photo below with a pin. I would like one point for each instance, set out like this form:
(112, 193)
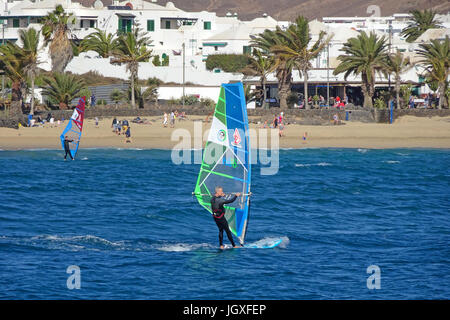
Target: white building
(202, 34)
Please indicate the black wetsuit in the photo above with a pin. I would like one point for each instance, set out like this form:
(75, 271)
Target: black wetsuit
(219, 217)
(67, 148)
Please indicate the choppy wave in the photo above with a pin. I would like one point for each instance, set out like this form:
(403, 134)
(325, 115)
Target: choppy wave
(128, 219)
(320, 164)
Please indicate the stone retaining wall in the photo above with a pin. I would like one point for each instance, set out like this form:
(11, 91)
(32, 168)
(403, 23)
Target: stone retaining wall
(307, 117)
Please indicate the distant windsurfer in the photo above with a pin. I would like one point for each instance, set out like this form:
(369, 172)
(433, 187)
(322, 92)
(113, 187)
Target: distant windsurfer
(217, 202)
(67, 147)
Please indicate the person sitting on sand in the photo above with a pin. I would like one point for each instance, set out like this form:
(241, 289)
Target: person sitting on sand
(336, 119)
(305, 135)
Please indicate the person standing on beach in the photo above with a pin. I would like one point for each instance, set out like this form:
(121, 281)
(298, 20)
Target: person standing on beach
(119, 127)
(275, 122)
(93, 100)
(165, 120)
(305, 135)
(128, 135)
(172, 119)
(114, 125)
(67, 147)
(281, 126)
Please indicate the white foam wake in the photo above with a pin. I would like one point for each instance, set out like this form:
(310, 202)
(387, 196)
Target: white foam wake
(269, 241)
(181, 247)
(320, 164)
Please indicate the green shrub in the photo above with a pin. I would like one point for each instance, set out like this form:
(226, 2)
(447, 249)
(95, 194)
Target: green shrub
(156, 61)
(165, 61)
(85, 93)
(315, 99)
(292, 99)
(227, 62)
(207, 102)
(406, 92)
(117, 95)
(379, 103)
(153, 81)
(101, 102)
(188, 100)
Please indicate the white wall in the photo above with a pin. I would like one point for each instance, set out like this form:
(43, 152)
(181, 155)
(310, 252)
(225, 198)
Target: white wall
(171, 92)
(81, 64)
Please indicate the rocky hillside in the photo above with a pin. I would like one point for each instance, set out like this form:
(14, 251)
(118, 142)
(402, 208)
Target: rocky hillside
(289, 9)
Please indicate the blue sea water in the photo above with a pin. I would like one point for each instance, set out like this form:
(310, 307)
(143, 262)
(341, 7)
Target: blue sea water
(127, 219)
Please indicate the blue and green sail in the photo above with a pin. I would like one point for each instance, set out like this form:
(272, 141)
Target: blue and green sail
(226, 158)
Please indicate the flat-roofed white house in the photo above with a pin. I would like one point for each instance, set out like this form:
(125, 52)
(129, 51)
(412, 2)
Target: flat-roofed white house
(204, 33)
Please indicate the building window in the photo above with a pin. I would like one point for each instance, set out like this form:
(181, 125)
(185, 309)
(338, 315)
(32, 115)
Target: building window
(91, 23)
(125, 25)
(167, 24)
(246, 49)
(16, 23)
(207, 25)
(150, 25)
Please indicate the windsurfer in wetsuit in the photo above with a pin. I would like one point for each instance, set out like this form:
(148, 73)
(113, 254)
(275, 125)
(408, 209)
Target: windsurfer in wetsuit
(217, 202)
(67, 148)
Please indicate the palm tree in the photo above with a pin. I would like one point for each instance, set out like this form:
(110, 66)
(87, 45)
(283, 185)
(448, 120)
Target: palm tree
(117, 95)
(266, 41)
(13, 63)
(435, 58)
(30, 48)
(62, 88)
(298, 49)
(364, 55)
(421, 21)
(250, 95)
(397, 65)
(151, 93)
(56, 32)
(101, 42)
(132, 49)
(260, 65)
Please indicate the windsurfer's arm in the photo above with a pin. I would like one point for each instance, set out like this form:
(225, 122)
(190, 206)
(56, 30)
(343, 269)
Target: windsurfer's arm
(230, 200)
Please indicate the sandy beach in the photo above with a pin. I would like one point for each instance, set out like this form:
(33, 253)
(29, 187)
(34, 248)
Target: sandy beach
(406, 132)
